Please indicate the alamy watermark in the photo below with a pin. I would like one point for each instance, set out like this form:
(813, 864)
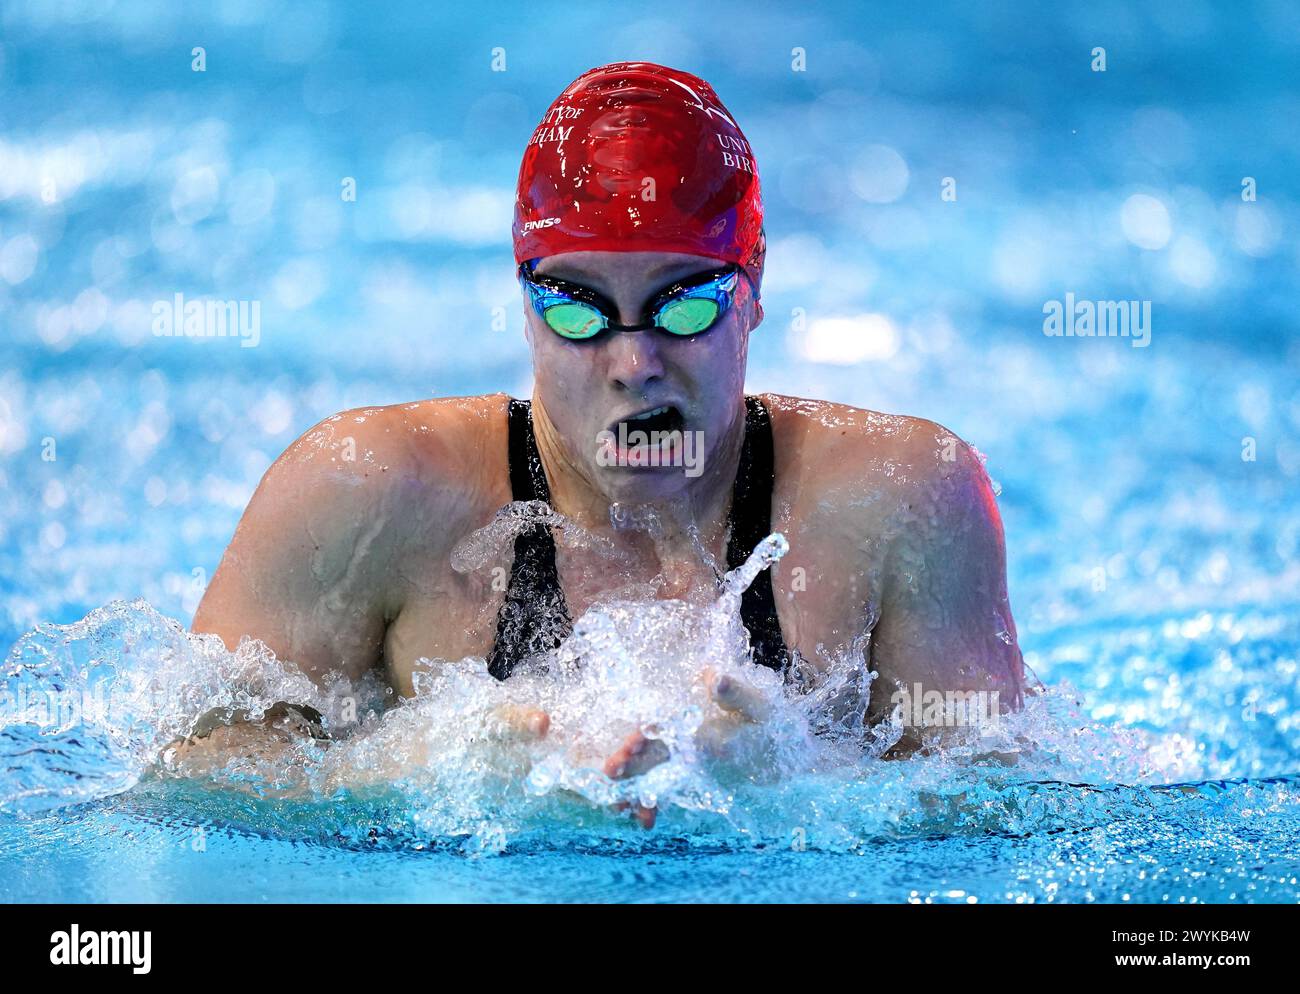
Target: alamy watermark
(181, 318)
(651, 448)
(920, 708)
(67, 708)
(102, 948)
(1073, 318)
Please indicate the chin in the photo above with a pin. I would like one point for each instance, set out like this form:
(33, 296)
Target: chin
(642, 485)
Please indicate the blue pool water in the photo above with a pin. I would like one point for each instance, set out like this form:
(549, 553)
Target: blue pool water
(1149, 494)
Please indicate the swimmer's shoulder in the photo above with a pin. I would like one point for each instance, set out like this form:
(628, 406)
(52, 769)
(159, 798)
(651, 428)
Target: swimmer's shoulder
(439, 462)
(885, 464)
(360, 503)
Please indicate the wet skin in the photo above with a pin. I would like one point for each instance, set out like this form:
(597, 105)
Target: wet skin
(342, 558)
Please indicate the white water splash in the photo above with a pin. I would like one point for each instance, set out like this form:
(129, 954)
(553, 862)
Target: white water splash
(461, 770)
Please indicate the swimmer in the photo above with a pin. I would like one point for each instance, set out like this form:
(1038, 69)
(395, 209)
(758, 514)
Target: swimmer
(640, 246)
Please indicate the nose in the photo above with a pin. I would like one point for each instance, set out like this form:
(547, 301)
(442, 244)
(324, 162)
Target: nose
(634, 360)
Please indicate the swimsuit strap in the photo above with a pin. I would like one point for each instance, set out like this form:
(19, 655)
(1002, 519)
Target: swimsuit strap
(527, 478)
(534, 617)
(750, 520)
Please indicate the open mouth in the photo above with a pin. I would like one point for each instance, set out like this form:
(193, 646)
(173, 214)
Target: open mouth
(661, 419)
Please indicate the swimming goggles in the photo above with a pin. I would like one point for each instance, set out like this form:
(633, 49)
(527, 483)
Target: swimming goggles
(687, 307)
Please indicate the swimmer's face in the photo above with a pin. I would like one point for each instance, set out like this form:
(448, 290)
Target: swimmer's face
(587, 388)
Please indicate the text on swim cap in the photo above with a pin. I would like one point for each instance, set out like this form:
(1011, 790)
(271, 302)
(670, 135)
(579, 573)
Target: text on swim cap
(736, 153)
(550, 130)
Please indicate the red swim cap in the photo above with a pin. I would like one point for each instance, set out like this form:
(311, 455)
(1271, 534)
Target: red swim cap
(636, 157)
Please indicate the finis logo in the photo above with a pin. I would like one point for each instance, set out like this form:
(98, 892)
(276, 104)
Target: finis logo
(77, 948)
(545, 222)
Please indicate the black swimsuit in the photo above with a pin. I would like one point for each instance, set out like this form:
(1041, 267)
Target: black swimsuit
(527, 622)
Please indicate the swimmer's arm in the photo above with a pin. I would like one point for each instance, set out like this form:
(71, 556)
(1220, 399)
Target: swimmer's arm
(305, 571)
(945, 618)
(263, 758)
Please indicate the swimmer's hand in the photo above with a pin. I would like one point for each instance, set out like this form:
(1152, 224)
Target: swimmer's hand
(637, 754)
(739, 738)
(516, 723)
(519, 723)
